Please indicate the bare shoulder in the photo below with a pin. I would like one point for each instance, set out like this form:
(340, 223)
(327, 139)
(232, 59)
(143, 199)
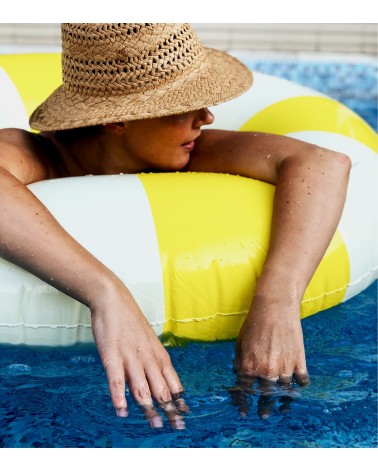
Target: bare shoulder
(16, 137)
(212, 147)
(23, 155)
(214, 138)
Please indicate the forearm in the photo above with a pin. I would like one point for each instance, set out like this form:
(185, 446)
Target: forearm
(309, 198)
(32, 239)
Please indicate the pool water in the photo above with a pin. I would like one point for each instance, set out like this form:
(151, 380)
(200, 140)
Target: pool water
(59, 397)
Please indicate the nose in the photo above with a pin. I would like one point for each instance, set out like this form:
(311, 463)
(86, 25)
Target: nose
(203, 117)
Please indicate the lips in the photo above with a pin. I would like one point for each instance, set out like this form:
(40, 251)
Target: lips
(189, 145)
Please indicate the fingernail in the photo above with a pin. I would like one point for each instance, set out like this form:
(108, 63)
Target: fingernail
(122, 412)
(156, 422)
(180, 425)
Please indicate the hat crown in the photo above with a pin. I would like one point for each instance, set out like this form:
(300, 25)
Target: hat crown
(124, 58)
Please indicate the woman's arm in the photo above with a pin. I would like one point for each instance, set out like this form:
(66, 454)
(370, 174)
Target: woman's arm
(31, 238)
(311, 184)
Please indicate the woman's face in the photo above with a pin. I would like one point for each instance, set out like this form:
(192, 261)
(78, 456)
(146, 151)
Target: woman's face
(164, 143)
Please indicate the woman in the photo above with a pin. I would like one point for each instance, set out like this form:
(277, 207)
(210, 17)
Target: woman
(134, 98)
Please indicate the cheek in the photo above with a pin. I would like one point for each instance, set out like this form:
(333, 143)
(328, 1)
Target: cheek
(153, 148)
(157, 138)
(166, 140)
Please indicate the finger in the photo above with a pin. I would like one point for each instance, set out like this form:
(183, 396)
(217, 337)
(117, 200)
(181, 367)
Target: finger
(140, 389)
(166, 386)
(139, 386)
(180, 402)
(285, 401)
(240, 399)
(266, 383)
(301, 377)
(116, 381)
(153, 417)
(267, 386)
(159, 388)
(161, 393)
(172, 379)
(264, 406)
(285, 379)
(173, 415)
(246, 382)
(240, 393)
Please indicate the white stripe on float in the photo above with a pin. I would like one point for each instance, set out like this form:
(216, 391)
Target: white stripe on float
(111, 217)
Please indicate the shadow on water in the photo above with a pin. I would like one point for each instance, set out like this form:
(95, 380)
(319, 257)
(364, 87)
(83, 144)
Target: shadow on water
(59, 397)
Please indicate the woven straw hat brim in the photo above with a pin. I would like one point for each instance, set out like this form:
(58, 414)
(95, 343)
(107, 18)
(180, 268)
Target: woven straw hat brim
(220, 78)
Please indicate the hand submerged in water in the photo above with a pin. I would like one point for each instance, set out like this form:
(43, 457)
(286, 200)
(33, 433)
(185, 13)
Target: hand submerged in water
(267, 392)
(132, 354)
(269, 356)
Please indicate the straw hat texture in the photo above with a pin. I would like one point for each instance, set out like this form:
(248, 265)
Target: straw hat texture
(115, 72)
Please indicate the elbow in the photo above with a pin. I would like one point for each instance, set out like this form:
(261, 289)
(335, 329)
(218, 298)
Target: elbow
(342, 162)
(335, 161)
(318, 166)
(315, 158)
(339, 165)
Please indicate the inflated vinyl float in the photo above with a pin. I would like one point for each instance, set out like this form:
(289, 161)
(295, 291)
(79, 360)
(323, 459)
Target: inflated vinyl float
(190, 247)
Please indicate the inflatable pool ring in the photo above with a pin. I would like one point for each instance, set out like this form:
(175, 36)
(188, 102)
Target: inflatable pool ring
(190, 247)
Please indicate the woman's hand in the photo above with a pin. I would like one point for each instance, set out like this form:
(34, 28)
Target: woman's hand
(270, 343)
(269, 352)
(132, 354)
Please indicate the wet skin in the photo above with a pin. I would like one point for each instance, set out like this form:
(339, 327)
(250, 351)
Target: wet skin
(310, 181)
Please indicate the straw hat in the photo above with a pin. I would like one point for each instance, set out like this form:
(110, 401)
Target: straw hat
(116, 72)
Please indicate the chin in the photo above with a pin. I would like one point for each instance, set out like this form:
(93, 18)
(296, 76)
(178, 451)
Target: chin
(178, 164)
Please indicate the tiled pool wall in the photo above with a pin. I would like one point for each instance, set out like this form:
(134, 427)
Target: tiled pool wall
(350, 38)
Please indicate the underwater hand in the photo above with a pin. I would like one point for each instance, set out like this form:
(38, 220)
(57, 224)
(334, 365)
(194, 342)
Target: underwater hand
(132, 354)
(247, 388)
(270, 348)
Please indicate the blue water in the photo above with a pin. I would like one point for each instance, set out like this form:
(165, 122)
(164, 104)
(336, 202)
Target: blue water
(59, 397)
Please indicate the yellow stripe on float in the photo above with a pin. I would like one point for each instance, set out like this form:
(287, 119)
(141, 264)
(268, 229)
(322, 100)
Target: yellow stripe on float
(213, 235)
(36, 76)
(312, 113)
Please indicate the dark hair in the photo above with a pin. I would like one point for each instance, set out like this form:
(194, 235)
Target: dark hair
(76, 134)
